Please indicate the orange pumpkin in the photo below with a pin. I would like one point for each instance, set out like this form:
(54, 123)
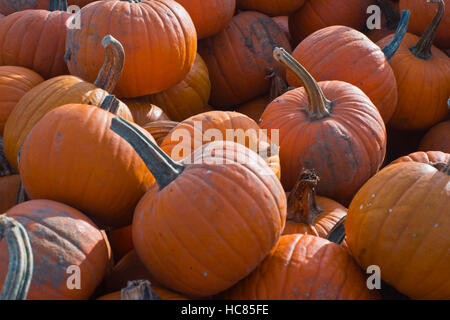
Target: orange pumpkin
(390, 17)
(428, 157)
(135, 291)
(346, 137)
(318, 14)
(160, 43)
(437, 138)
(423, 79)
(61, 238)
(121, 241)
(9, 187)
(283, 23)
(189, 97)
(399, 221)
(271, 7)
(209, 16)
(35, 39)
(304, 267)
(71, 156)
(342, 53)
(58, 91)
(236, 207)
(143, 111)
(238, 58)
(160, 129)
(14, 83)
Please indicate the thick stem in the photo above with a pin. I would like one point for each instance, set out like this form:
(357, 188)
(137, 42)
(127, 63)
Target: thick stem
(58, 5)
(392, 15)
(422, 49)
(319, 107)
(20, 269)
(164, 169)
(302, 205)
(110, 104)
(337, 233)
(391, 48)
(277, 85)
(111, 70)
(442, 167)
(138, 290)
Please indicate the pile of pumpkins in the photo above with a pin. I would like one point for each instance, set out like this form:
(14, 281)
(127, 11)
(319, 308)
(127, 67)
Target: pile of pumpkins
(95, 194)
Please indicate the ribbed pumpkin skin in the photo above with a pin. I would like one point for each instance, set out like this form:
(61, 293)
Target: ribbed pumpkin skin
(331, 214)
(9, 186)
(422, 13)
(342, 53)
(438, 138)
(428, 157)
(35, 39)
(399, 221)
(188, 97)
(304, 267)
(159, 43)
(423, 86)
(14, 83)
(43, 98)
(318, 14)
(160, 129)
(238, 209)
(238, 57)
(271, 7)
(223, 121)
(209, 16)
(345, 149)
(73, 157)
(144, 111)
(121, 241)
(60, 237)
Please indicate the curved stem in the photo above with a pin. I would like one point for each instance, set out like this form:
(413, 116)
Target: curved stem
(391, 48)
(392, 15)
(164, 169)
(20, 269)
(58, 5)
(138, 290)
(302, 205)
(110, 73)
(319, 107)
(337, 233)
(277, 85)
(422, 49)
(110, 104)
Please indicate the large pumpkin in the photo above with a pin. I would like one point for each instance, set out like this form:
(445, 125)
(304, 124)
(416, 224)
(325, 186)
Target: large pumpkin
(9, 187)
(188, 97)
(14, 83)
(422, 14)
(399, 221)
(317, 14)
(209, 16)
(423, 79)
(159, 43)
(271, 7)
(58, 91)
(71, 156)
(35, 39)
(304, 267)
(437, 138)
(210, 219)
(238, 58)
(345, 54)
(331, 127)
(65, 244)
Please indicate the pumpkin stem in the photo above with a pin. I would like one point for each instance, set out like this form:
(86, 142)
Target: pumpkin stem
(337, 233)
(277, 85)
(58, 5)
(391, 48)
(319, 106)
(21, 194)
(110, 104)
(20, 269)
(422, 49)
(164, 169)
(302, 205)
(442, 166)
(111, 70)
(138, 290)
(392, 15)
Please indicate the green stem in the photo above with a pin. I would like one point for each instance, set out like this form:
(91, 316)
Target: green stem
(58, 5)
(337, 233)
(319, 106)
(422, 49)
(391, 48)
(164, 169)
(110, 104)
(111, 70)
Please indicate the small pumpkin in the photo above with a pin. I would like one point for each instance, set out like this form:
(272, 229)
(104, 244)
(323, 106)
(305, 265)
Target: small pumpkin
(271, 7)
(437, 138)
(423, 78)
(9, 187)
(61, 237)
(142, 290)
(121, 241)
(428, 157)
(143, 111)
(304, 267)
(399, 221)
(346, 138)
(160, 129)
(58, 91)
(160, 43)
(188, 97)
(238, 57)
(236, 207)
